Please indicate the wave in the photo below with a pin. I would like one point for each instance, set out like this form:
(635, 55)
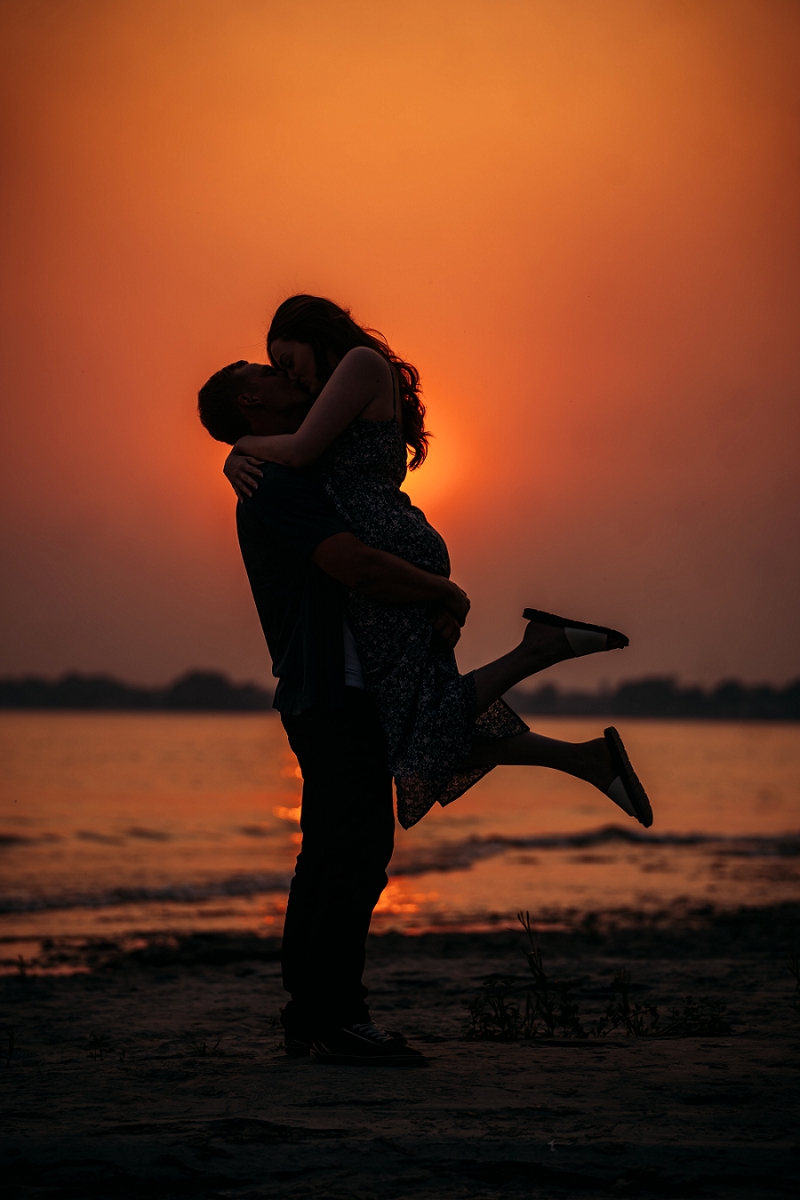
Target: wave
(20, 839)
(439, 857)
(174, 893)
(457, 856)
(140, 832)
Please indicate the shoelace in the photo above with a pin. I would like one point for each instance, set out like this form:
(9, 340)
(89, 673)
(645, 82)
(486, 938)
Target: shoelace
(372, 1032)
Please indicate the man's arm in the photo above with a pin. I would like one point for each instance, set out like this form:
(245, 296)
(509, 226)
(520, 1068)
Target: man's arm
(386, 577)
(299, 515)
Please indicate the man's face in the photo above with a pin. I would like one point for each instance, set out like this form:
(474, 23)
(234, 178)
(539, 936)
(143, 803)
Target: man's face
(266, 396)
(259, 382)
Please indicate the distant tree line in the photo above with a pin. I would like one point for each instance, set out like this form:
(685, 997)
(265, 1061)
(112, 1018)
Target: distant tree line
(210, 691)
(198, 691)
(664, 697)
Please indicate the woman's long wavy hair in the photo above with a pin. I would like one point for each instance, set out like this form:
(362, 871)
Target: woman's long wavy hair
(330, 330)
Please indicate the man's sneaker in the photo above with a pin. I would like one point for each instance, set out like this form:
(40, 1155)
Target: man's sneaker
(365, 1045)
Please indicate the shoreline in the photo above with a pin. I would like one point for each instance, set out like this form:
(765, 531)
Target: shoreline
(623, 930)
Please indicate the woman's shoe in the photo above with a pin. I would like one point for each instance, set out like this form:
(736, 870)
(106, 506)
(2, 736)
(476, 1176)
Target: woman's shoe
(582, 637)
(626, 790)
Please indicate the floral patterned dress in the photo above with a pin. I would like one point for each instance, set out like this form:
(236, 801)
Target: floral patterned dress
(426, 707)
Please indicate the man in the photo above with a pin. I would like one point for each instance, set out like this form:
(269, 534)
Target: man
(299, 557)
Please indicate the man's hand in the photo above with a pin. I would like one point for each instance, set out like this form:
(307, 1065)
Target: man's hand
(386, 577)
(457, 603)
(243, 473)
(447, 627)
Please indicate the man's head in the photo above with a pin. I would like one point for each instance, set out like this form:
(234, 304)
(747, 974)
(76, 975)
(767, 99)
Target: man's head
(247, 397)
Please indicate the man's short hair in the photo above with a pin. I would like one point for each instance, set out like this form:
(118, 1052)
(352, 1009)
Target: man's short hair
(217, 407)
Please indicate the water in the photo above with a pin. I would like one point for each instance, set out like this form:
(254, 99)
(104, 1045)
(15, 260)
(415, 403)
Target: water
(112, 825)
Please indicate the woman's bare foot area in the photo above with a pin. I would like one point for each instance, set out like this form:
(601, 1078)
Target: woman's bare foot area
(544, 645)
(594, 763)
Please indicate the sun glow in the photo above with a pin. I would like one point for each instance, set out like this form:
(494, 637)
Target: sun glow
(287, 814)
(398, 897)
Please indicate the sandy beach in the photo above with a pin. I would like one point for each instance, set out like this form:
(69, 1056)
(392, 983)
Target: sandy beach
(157, 1070)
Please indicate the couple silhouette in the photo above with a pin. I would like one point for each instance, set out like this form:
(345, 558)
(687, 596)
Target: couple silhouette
(352, 588)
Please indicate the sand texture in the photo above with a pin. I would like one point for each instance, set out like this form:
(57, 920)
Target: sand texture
(159, 1073)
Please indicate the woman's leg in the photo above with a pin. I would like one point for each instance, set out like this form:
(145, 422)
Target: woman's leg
(541, 646)
(585, 760)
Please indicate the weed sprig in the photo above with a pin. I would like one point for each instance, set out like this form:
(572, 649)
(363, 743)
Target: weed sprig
(549, 1008)
(99, 1046)
(201, 1047)
(550, 1000)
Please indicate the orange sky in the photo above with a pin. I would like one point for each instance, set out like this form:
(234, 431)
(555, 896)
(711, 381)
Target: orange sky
(581, 220)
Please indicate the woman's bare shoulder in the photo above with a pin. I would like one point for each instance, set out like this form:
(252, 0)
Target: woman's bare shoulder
(366, 373)
(364, 358)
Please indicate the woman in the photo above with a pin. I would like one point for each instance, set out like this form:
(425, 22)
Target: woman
(444, 730)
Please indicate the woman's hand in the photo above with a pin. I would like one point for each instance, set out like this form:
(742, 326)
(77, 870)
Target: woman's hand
(447, 627)
(457, 602)
(448, 618)
(243, 473)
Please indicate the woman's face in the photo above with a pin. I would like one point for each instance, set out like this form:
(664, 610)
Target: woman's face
(297, 360)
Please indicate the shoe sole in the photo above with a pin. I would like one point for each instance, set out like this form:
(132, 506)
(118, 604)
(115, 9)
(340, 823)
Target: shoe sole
(632, 783)
(618, 639)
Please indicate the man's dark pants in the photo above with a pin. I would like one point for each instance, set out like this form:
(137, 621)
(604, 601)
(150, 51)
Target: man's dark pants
(347, 821)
